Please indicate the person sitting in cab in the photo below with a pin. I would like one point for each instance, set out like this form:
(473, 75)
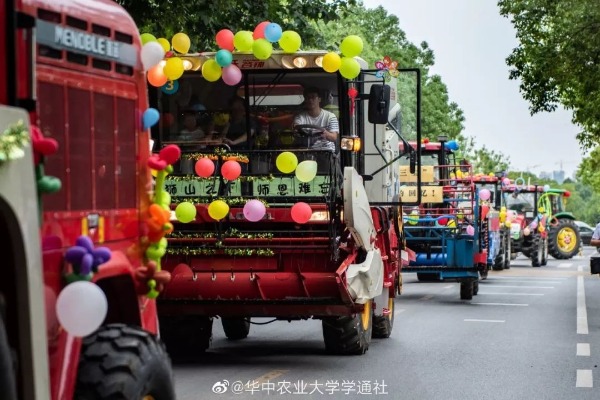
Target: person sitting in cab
(235, 132)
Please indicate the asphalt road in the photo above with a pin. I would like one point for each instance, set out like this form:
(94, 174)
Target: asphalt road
(530, 333)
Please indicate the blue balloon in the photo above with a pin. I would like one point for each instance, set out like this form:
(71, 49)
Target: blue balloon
(223, 57)
(150, 118)
(273, 32)
(452, 145)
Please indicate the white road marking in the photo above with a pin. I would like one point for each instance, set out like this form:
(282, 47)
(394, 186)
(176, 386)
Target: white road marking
(448, 287)
(485, 320)
(579, 268)
(525, 287)
(583, 349)
(428, 297)
(502, 304)
(584, 378)
(532, 281)
(582, 322)
(565, 265)
(514, 294)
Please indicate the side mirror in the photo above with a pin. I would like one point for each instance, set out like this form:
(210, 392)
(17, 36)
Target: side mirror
(379, 104)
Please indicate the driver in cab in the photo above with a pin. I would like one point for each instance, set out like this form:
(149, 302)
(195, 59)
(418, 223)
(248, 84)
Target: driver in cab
(315, 115)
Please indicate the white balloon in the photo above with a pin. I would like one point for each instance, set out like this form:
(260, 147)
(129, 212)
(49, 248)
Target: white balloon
(306, 171)
(81, 308)
(152, 53)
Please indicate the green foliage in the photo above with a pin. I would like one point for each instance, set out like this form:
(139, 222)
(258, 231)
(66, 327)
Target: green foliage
(202, 19)
(589, 170)
(483, 160)
(557, 58)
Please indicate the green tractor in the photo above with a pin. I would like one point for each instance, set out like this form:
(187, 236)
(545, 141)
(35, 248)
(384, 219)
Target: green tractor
(564, 240)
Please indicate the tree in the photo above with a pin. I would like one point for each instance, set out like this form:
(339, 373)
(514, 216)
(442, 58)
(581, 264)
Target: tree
(589, 170)
(202, 19)
(557, 58)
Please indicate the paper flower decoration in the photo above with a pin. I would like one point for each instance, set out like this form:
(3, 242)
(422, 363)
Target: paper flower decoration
(387, 68)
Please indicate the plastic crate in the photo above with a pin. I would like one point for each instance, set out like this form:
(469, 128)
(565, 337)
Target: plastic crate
(460, 251)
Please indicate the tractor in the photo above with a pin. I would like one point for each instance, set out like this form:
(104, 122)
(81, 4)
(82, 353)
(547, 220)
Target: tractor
(564, 240)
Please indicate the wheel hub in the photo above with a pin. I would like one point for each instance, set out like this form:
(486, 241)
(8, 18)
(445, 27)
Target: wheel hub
(566, 239)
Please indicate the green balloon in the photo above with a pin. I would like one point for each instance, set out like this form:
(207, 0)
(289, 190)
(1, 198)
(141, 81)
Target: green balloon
(351, 46)
(243, 41)
(262, 49)
(185, 212)
(147, 38)
(349, 68)
(290, 41)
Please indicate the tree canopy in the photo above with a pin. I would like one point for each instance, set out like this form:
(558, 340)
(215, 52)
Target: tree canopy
(557, 58)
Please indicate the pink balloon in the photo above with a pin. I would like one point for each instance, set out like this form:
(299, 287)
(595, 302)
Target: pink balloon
(259, 31)
(224, 39)
(484, 194)
(231, 170)
(506, 181)
(231, 75)
(301, 212)
(254, 210)
(470, 230)
(204, 167)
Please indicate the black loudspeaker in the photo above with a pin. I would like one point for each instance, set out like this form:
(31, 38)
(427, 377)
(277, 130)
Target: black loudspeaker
(379, 104)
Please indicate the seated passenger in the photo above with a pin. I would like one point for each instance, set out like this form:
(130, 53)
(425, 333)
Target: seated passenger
(235, 132)
(192, 131)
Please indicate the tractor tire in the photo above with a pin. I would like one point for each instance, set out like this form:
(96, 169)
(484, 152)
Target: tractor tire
(349, 335)
(564, 240)
(8, 386)
(508, 251)
(236, 328)
(383, 324)
(428, 277)
(500, 259)
(121, 362)
(466, 290)
(544, 252)
(536, 252)
(475, 288)
(186, 336)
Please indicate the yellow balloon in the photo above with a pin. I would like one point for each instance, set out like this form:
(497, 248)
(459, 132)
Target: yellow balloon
(351, 46)
(349, 68)
(173, 69)
(181, 43)
(243, 41)
(153, 172)
(306, 171)
(286, 162)
(218, 209)
(164, 43)
(290, 41)
(262, 49)
(211, 70)
(331, 62)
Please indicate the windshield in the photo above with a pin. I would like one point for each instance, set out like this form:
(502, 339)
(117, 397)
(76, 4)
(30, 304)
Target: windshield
(520, 202)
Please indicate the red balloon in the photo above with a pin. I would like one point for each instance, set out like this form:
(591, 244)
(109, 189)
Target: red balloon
(224, 39)
(231, 170)
(170, 154)
(259, 31)
(301, 212)
(204, 167)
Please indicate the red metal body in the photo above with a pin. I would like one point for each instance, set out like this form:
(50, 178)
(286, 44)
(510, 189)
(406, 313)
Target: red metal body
(90, 101)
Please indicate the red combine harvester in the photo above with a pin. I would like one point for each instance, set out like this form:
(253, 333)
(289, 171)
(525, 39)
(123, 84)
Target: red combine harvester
(322, 242)
(73, 203)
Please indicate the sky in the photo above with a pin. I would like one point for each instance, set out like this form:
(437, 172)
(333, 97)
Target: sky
(470, 41)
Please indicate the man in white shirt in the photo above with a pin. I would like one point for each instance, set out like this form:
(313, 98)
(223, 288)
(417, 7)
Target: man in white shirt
(596, 237)
(315, 115)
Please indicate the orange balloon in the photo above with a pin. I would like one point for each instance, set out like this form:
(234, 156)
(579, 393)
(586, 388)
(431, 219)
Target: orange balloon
(156, 76)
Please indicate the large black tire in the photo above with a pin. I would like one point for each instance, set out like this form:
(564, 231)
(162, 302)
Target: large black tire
(466, 290)
(544, 252)
(236, 328)
(557, 246)
(500, 259)
(123, 362)
(508, 251)
(187, 336)
(429, 276)
(8, 386)
(475, 288)
(383, 324)
(536, 252)
(349, 335)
